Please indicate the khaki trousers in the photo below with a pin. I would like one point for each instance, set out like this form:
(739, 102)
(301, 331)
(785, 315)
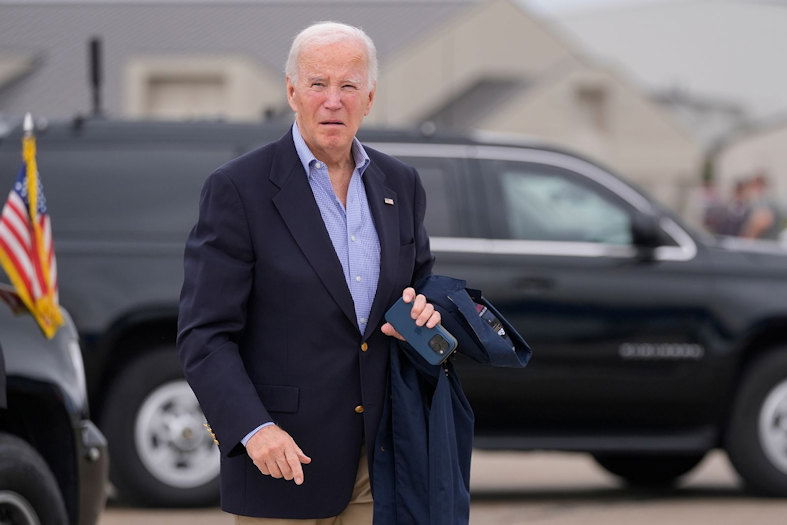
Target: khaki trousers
(357, 512)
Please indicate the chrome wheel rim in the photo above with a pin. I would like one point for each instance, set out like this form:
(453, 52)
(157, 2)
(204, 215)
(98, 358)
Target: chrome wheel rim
(773, 426)
(170, 439)
(16, 510)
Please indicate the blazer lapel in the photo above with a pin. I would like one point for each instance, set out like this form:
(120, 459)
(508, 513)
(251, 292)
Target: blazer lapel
(296, 204)
(386, 221)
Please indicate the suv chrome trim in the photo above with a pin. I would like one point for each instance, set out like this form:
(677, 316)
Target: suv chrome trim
(524, 247)
(556, 248)
(686, 249)
(739, 244)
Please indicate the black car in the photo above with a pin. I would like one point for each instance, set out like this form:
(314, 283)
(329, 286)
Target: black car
(653, 343)
(53, 460)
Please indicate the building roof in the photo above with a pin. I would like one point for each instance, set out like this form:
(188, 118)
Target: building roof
(466, 109)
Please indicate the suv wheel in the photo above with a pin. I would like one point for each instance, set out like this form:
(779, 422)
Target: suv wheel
(756, 438)
(29, 494)
(654, 470)
(160, 453)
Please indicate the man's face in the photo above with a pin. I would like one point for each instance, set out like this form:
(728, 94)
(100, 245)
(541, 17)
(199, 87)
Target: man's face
(331, 95)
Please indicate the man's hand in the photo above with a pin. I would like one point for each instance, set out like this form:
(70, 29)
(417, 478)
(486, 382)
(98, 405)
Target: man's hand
(423, 313)
(276, 454)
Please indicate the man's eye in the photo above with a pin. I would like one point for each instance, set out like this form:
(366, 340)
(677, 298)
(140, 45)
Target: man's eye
(349, 86)
(317, 84)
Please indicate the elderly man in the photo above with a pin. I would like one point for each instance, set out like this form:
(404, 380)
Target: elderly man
(300, 247)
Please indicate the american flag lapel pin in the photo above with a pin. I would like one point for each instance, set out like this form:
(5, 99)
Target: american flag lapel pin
(388, 201)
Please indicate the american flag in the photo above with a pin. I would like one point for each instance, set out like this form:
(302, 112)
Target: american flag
(26, 250)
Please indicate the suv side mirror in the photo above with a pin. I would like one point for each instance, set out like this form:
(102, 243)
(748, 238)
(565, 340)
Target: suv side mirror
(645, 234)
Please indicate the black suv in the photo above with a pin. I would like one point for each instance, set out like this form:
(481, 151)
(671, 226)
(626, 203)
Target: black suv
(53, 460)
(653, 343)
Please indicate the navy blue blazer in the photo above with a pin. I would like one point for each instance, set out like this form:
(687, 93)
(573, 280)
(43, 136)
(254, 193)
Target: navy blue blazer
(267, 328)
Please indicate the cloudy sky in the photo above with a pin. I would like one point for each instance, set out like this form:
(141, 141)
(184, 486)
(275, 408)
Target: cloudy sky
(725, 50)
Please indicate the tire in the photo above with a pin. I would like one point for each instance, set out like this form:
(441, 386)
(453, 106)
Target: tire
(756, 437)
(160, 454)
(648, 470)
(29, 493)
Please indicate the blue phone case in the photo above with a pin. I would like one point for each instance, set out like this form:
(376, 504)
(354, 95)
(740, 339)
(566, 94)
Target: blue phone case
(433, 344)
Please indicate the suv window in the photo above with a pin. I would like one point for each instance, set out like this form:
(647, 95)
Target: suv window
(545, 203)
(150, 193)
(439, 177)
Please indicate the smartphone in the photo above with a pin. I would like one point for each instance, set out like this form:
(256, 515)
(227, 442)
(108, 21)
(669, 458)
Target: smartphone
(433, 344)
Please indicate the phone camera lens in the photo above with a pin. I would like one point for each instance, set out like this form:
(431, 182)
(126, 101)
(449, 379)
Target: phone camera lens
(438, 344)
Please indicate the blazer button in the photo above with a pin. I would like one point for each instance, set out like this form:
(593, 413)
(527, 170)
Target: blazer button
(364, 347)
(359, 409)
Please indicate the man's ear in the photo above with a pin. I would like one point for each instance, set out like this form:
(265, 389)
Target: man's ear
(372, 93)
(290, 93)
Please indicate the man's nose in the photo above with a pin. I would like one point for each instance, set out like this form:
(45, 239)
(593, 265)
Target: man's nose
(333, 98)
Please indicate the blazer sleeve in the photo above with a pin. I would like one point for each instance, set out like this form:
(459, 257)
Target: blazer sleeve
(424, 260)
(218, 271)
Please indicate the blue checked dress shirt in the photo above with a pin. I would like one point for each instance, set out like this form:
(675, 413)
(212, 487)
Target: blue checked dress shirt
(351, 229)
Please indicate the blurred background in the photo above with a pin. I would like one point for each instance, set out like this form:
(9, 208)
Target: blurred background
(683, 98)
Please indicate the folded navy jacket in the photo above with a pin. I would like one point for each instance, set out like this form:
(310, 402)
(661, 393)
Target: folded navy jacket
(421, 470)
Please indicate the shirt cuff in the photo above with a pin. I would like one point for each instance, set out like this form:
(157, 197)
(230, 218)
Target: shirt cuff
(248, 436)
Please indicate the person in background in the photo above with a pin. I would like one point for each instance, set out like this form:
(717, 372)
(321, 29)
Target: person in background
(713, 209)
(763, 220)
(736, 212)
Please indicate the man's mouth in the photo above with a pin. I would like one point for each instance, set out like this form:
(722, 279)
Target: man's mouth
(332, 123)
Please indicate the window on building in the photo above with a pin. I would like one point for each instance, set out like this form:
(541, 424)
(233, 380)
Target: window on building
(593, 106)
(200, 87)
(186, 96)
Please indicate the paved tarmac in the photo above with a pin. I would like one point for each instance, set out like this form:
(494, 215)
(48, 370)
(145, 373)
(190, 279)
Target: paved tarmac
(561, 489)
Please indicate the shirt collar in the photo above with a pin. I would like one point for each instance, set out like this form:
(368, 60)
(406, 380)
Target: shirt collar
(308, 159)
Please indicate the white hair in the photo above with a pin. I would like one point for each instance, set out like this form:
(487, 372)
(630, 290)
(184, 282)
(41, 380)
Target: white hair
(329, 33)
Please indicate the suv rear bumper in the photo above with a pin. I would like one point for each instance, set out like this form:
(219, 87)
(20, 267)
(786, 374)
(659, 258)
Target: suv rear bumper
(92, 464)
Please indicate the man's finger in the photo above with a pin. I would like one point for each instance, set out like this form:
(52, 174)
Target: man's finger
(273, 467)
(294, 466)
(388, 329)
(284, 466)
(418, 306)
(408, 294)
(425, 315)
(263, 468)
(434, 320)
(303, 458)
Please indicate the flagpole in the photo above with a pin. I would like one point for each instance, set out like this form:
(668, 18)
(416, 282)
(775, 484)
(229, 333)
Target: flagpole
(28, 125)
(46, 308)
(29, 156)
